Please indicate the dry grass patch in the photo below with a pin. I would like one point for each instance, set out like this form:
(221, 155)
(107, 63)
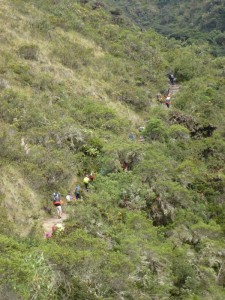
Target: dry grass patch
(22, 204)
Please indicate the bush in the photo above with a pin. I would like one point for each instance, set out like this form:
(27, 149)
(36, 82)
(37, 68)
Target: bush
(155, 130)
(178, 132)
(29, 52)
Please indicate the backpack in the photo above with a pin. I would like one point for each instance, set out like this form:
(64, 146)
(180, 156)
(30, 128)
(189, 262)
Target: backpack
(68, 198)
(77, 189)
(54, 197)
(168, 99)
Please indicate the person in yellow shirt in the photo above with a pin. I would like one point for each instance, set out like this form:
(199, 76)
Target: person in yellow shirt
(69, 198)
(86, 181)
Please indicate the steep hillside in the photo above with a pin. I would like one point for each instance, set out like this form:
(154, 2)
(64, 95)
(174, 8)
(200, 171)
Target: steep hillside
(75, 81)
(190, 21)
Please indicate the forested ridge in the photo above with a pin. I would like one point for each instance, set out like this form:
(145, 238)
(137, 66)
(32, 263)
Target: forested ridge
(190, 21)
(75, 81)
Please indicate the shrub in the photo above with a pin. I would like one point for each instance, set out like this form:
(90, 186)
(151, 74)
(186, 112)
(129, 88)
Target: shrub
(178, 132)
(29, 52)
(155, 130)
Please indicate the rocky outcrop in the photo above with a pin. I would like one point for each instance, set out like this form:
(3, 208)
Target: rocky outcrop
(196, 130)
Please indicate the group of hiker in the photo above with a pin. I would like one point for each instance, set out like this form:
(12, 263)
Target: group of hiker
(57, 202)
(57, 228)
(166, 97)
(56, 197)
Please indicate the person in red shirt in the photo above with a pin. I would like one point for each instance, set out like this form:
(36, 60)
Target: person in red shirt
(92, 177)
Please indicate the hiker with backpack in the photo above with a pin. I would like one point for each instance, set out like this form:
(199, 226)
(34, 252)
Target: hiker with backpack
(69, 198)
(86, 181)
(77, 192)
(171, 78)
(168, 100)
(57, 203)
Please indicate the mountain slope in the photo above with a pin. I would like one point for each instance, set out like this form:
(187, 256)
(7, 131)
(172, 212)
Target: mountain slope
(74, 83)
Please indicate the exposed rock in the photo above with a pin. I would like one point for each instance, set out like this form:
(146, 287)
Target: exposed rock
(196, 130)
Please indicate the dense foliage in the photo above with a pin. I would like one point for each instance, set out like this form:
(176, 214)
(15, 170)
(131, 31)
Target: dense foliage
(191, 21)
(74, 82)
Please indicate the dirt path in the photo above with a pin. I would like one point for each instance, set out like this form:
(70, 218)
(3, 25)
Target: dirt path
(49, 222)
(174, 88)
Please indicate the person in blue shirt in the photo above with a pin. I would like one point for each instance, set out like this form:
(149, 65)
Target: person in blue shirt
(77, 192)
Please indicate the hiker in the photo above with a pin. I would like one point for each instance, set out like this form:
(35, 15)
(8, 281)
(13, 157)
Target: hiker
(171, 78)
(77, 192)
(86, 181)
(92, 177)
(132, 136)
(168, 101)
(57, 228)
(69, 198)
(57, 203)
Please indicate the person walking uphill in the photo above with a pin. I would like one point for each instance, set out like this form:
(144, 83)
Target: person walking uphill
(57, 203)
(86, 181)
(171, 78)
(69, 198)
(168, 100)
(77, 192)
(92, 177)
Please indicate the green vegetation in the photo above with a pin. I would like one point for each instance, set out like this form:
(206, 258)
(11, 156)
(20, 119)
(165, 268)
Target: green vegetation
(74, 82)
(190, 21)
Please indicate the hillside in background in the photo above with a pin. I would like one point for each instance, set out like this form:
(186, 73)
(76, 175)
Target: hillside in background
(75, 81)
(190, 21)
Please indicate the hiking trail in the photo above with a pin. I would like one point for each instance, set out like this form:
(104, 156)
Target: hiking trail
(52, 219)
(49, 222)
(174, 89)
